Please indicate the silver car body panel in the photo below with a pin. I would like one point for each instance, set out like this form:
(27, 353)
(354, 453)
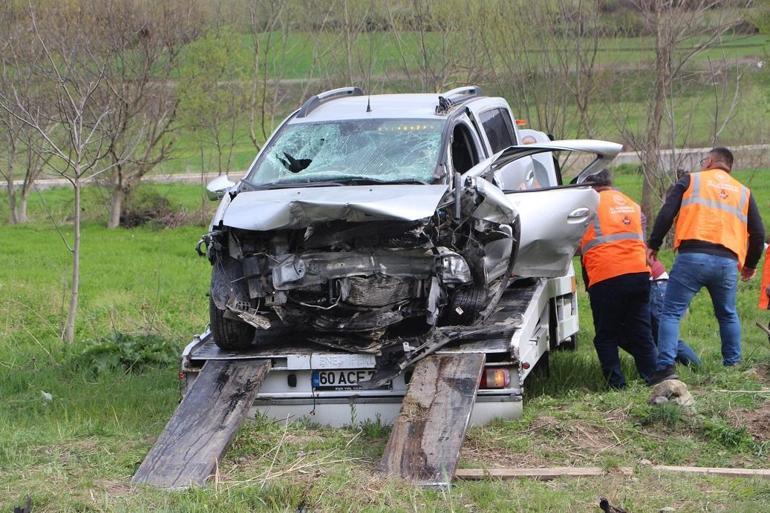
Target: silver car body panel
(298, 208)
(552, 223)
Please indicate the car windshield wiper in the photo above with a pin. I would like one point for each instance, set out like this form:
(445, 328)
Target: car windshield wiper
(359, 180)
(291, 185)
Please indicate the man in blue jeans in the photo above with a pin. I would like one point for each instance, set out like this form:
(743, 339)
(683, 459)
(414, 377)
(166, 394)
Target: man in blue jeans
(718, 231)
(658, 285)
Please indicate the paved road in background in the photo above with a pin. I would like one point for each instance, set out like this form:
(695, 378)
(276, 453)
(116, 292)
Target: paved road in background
(748, 156)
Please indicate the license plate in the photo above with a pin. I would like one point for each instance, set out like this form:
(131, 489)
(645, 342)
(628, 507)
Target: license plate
(340, 379)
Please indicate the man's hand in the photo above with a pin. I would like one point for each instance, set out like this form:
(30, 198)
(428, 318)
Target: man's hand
(652, 255)
(747, 273)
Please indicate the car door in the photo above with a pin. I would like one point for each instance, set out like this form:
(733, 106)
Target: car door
(496, 128)
(552, 219)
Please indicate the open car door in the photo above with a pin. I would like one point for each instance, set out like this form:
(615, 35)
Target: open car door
(553, 219)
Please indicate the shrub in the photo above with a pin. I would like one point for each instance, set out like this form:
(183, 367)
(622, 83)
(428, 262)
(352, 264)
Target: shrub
(128, 353)
(149, 207)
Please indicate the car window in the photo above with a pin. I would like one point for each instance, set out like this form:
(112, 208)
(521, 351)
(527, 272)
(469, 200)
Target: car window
(499, 129)
(464, 154)
(388, 150)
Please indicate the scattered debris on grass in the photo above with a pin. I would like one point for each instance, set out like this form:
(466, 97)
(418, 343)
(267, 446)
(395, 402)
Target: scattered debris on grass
(672, 390)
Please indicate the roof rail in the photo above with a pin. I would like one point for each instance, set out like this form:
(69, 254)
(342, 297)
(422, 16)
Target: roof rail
(455, 97)
(315, 101)
(462, 91)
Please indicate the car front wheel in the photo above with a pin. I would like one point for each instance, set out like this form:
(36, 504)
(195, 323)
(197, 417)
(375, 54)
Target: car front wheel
(229, 334)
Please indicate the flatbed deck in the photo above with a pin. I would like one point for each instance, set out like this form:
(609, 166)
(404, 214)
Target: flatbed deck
(291, 388)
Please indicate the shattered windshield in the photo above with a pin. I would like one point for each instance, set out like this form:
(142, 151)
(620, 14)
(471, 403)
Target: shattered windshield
(386, 150)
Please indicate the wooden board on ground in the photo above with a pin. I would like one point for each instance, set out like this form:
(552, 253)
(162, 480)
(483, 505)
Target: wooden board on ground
(189, 448)
(543, 474)
(425, 442)
(555, 472)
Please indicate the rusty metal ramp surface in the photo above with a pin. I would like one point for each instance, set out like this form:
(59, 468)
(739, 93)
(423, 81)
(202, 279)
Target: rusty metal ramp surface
(425, 442)
(189, 448)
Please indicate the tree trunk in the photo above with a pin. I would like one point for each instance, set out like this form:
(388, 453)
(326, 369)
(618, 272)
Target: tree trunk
(21, 206)
(69, 327)
(651, 160)
(12, 208)
(116, 206)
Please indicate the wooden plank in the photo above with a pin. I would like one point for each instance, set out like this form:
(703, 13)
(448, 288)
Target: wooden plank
(425, 442)
(204, 423)
(717, 471)
(556, 472)
(543, 474)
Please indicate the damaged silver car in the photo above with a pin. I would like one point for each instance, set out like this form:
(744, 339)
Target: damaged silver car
(371, 222)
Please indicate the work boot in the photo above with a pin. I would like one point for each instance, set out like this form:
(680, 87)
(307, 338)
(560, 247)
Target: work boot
(663, 374)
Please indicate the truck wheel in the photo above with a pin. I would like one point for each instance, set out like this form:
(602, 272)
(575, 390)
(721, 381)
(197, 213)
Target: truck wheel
(569, 344)
(229, 334)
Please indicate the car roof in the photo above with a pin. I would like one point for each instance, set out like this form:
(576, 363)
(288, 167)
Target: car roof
(402, 106)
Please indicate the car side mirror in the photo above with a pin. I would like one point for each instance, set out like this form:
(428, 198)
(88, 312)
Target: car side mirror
(217, 187)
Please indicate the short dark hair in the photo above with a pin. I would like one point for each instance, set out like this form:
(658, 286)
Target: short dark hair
(724, 155)
(600, 179)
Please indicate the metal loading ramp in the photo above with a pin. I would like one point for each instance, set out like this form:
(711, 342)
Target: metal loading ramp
(189, 448)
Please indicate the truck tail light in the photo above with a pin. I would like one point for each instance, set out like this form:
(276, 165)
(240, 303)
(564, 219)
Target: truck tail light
(521, 122)
(495, 377)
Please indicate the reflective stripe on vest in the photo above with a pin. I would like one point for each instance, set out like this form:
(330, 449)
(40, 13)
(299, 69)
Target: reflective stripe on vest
(696, 199)
(599, 238)
(622, 251)
(714, 209)
(764, 299)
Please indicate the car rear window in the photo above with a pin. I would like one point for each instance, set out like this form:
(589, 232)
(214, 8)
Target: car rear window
(499, 129)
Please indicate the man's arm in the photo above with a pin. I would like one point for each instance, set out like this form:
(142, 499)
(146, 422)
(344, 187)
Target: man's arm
(667, 213)
(756, 236)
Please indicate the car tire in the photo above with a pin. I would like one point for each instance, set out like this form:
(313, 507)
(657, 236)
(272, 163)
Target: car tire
(229, 334)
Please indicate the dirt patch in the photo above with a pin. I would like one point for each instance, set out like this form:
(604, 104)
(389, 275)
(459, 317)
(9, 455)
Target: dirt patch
(756, 422)
(490, 454)
(763, 373)
(577, 441)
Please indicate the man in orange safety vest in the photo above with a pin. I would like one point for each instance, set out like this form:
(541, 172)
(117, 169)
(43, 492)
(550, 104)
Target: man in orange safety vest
(618, 280)
(718, 231)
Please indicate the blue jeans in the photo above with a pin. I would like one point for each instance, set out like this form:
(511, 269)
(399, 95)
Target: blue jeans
(684, 353)
(691, 272)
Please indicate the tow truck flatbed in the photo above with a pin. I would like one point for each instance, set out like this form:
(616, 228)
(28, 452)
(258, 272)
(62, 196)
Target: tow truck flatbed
(314, 381)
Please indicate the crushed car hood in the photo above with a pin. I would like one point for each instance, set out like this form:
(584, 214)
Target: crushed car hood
(298, 208)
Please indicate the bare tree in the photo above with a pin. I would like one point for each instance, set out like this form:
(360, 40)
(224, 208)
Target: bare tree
(73, 132)
(538, 66)
(672, 23)
(439, 34)
(270, 33)
(141, 51)
(22, 164)
(213, 92)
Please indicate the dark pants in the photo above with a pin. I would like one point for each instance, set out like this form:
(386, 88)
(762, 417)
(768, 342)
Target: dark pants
(621, 311)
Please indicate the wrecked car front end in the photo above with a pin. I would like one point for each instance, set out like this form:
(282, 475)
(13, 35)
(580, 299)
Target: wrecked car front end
(353, 267)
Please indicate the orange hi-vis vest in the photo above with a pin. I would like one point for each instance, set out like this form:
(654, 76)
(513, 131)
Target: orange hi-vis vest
(613, 244)
(715, 208)
(764, 299)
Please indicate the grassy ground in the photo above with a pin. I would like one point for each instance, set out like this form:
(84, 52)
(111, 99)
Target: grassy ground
(77, 451)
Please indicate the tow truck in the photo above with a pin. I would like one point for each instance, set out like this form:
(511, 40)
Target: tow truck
(432, 391)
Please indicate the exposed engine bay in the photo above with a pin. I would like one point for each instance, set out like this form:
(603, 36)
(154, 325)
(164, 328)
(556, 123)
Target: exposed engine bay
(363, 286)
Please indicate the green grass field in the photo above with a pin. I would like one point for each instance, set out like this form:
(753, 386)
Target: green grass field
(77, 452)
(621, 93)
